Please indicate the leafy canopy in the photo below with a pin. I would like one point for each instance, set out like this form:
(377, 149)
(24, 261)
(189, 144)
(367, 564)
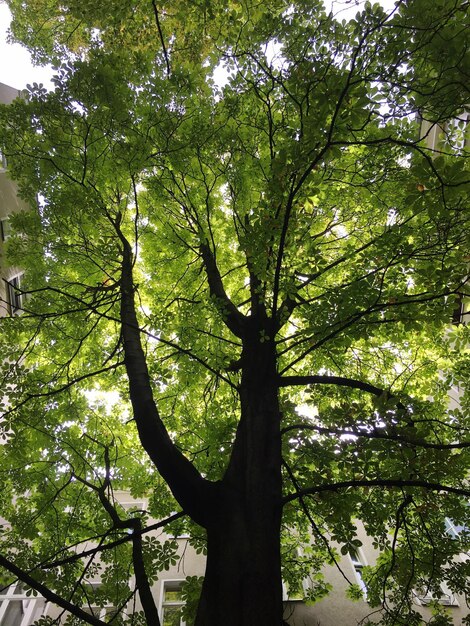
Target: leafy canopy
(304, 181)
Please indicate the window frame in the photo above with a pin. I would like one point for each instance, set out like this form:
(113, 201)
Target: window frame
(15, 297)
(358, 562)
(452, 529)
(447, 598)
(165, 585)
(4, 229)
(101, 612)
(32, 606)
(137, 506)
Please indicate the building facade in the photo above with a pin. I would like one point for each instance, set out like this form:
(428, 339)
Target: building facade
(20, 608)
(11, 300)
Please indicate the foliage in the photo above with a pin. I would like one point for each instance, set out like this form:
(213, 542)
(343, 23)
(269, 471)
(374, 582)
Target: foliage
(298, 196)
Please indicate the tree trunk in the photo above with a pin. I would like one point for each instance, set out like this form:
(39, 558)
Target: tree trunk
(242, 585)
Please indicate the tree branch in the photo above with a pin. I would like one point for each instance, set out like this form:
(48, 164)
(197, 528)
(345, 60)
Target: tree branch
(112, 544)
(160, 34)
(375, 434)
(314, 525)
(386, 483)
(232, 317)
(141, 578)
(48, 594)
(338, 327)
(191, 490)
(287, 381)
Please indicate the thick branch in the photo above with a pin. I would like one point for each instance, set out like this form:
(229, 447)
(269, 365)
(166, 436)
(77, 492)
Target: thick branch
(48, 594)
(234, 320)
(287, 381)
(386, 483)
(141, 578)
(377, 434)
(187, 485)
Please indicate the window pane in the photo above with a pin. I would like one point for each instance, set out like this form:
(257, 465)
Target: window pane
(14, 296)
(109, 612)
(17, 589)
(14, 613)
(172, 595)
(92, 610)
(4, 229)
(171, 616)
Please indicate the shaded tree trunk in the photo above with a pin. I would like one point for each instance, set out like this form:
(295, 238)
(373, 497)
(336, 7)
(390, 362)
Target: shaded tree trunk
(242, 586)
(241, 513)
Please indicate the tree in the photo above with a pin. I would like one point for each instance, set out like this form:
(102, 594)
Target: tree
(238, 300)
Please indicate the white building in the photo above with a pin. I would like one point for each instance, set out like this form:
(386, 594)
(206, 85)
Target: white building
(19, 608)
(10, 277)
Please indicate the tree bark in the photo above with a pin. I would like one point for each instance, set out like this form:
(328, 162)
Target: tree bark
(242, 585)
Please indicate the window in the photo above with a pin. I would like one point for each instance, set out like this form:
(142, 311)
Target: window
(292, 596)
(95, 606)
(458, 311)
(358, 564)
(172, 603)
(300, 594)
(451, 135)
(454, 529)
(446, 597)
(461, 311)
(136, 506)
(457, 131)
(18, 607)
(4, 228)
(14, 295)
(103, 612)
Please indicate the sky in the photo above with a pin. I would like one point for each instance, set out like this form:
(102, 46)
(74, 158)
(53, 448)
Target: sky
(17, 70)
